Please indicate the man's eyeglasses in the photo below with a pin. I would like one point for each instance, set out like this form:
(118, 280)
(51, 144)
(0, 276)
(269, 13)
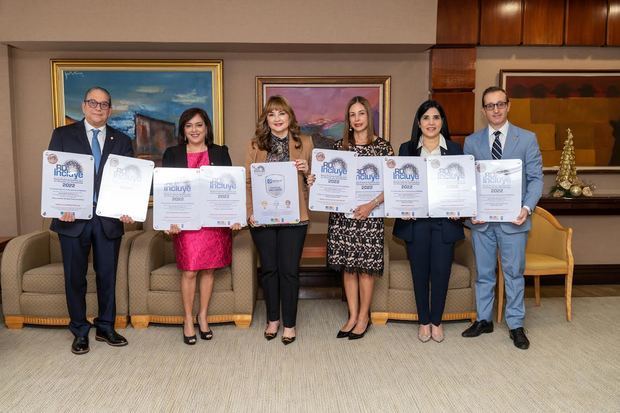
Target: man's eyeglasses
(499, 105)
(92, 103)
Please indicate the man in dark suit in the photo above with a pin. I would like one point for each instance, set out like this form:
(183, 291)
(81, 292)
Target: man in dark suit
(90, 136)
(503, 140)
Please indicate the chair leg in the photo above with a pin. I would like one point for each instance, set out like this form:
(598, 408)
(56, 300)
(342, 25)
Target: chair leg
(379, 318)
(140, 321)
(537, 289)
(243, 320)
(569, 295)
(500, 292)
(14, 321)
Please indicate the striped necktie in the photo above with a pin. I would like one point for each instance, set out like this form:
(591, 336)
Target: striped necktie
(496, 151)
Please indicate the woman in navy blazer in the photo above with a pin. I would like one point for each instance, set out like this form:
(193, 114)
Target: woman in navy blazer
(430, 241)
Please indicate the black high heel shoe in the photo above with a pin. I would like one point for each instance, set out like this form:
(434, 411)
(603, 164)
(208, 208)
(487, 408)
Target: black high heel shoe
(344, 334)
(204, 335)
(189, 340)
(355, 336)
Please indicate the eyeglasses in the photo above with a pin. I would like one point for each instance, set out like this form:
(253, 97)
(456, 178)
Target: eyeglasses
(92, 103)
(499, 105)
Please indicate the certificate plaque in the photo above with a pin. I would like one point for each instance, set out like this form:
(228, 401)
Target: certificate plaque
(405, 187)
(125, 187)
(334, 187)
(67, 184)
(451, 186)
(369, 183)
(177, 198)
(275, 193)
(499, 189)
(224, 196)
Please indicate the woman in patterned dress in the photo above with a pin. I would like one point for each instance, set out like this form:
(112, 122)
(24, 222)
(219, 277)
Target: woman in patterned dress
(278, 139)
(355, 246)
(204, 250)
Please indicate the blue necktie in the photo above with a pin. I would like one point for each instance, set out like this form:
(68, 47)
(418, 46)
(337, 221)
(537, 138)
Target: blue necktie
(96, 149)
(97, 155)
(496, 151)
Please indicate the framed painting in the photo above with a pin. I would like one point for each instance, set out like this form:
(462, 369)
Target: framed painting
(549, 102)
(320, 102)
(148, 96)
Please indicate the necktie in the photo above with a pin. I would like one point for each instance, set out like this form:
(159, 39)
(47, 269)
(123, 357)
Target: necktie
(97, 155)
(496, 151)
(96, 149)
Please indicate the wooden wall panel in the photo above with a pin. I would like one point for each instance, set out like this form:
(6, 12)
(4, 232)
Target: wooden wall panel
(613, 23)
(453, 68)
(586, 22)
(459, 108)
(457, 22)
(543, 22)
(500, 22)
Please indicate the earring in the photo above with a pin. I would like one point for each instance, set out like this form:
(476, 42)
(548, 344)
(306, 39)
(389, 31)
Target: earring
(350, 129)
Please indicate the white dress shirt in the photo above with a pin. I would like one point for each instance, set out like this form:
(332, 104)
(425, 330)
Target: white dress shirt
(89, 134)
(437, 151)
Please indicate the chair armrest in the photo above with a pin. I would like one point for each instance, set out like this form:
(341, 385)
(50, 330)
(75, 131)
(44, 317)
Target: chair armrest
(382, 284)
(243, 270)
(464, 255)
(146, 254)
(21, 254)
(122, 287)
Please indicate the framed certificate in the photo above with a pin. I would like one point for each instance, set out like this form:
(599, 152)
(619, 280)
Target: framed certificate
(67, 184)
(125, 187)
(177, 198)
(451, 186)
(275, 193)
(405, 187)
(499, 189)
(334, 187)
(223, 196)
(369, 183)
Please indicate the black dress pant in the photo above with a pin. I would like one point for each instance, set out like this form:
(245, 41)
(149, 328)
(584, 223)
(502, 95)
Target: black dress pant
(279, 249)
(75, 252)
(430, 259)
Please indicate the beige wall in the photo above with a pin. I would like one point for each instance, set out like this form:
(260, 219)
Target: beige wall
(33, 116)
(8, 204)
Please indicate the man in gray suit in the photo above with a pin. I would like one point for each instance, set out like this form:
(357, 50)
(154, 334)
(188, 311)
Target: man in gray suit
(502, 140)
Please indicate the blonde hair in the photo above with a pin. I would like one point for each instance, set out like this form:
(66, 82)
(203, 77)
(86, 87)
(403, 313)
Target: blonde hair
(262, 133)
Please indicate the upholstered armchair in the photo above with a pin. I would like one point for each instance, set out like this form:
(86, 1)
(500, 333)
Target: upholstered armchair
(155, 283)
(393, 297)
(33, 287)
(548, 252)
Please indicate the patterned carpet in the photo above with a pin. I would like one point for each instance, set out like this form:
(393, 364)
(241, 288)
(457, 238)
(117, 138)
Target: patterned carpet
(569, 367)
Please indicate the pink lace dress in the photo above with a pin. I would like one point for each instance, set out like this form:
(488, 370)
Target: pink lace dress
(206, 248)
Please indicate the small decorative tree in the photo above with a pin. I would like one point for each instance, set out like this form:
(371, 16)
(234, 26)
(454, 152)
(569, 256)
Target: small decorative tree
(567, 183)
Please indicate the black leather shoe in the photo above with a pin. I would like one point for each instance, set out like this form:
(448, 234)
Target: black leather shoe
(344, 334)
(80, 345)
(355, 336)
(479, 327)
(111, 337)
(519, 339)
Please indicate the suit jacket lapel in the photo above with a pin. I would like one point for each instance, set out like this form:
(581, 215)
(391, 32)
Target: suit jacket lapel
(484, 144)
(83, 138)
(511, 142)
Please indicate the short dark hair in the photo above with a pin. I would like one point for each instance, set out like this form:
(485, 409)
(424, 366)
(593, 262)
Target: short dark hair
(104, 90)
(416, 131)
(186, 116)
(492, 89)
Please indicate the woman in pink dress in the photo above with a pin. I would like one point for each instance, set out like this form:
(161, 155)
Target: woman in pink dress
(204, 250)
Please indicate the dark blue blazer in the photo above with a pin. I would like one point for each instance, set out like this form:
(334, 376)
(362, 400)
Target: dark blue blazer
(451, 231)
(72, 138)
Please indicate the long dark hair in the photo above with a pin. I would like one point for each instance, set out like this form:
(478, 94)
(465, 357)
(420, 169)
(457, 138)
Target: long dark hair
(416, 131)
(186, 116)
(262, 134)
(348, 137)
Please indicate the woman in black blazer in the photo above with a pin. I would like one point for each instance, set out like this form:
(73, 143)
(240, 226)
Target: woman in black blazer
(430, 241)
(204, 250)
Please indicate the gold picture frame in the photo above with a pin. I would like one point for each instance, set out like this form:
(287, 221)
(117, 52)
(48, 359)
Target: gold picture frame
(320, 101)
(148, 96)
